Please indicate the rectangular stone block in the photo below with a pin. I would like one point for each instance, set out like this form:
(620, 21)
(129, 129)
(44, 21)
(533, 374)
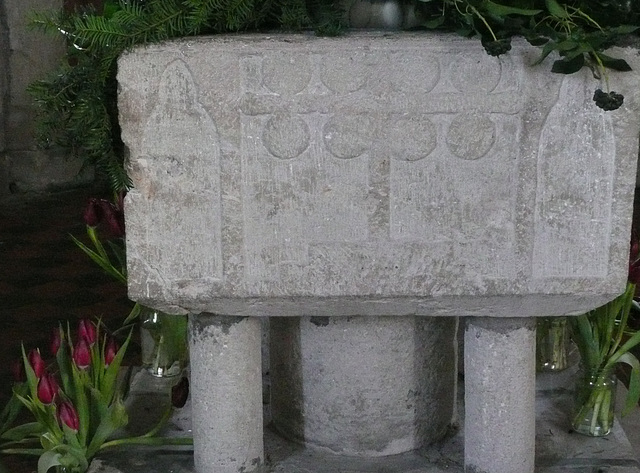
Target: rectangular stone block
(382, 174)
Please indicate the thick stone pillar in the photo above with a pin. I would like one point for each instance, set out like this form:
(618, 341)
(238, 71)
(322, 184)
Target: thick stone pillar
(369, 386)
(499, 360)
(226, 387)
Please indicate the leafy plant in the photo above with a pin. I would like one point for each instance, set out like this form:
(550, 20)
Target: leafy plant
(78, 101)
(604, 339)
(78, 407)
(578, 31)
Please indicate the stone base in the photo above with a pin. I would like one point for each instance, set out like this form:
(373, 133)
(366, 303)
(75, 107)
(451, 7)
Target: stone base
(365, 386)
(557, 451)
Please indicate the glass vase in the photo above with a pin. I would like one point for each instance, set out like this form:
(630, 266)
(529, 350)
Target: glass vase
(594, 402)
(163, 337)
(552, 343)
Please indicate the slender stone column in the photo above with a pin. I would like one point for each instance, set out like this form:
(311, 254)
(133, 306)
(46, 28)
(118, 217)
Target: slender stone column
(499, 361)
(226, 389)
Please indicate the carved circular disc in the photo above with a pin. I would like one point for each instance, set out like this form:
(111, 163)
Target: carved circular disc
(410, 138)
(285, 136)
(288, 74)
(348, 136)
(471, 136)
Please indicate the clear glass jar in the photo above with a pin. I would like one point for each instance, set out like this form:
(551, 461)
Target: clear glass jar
(552, 343)
(165, 351)
(594, 402)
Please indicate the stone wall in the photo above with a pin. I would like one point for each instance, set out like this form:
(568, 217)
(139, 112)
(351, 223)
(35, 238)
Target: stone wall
(27, 55)
(4, 67)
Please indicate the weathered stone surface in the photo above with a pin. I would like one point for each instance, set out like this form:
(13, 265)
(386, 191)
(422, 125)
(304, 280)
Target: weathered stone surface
(500, 387)
(27, 55)
(226, 392)
(366, 386)
(373, 174)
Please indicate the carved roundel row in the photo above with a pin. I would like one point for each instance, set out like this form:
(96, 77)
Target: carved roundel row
(468, 136)
(404, 72)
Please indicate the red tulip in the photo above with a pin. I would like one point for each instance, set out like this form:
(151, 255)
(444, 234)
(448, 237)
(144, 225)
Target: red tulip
(36, 362)
(17, 371)
(114, 217)
(56, 340)
(67, 415)
(92, 213)
(47, 388)
(87, 331)
(110, 351)
(81, 354)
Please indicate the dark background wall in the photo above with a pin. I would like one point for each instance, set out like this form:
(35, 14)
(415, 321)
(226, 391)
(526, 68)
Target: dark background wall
(27, 54)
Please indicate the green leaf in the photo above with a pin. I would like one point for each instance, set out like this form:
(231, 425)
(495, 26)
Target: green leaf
(109, 381)
(614, 63)
(48, 460)
(13, 407)
(71, 436)
(135, 312)
(624, 29)
(63, 358)
(503, 10)
(634, 382)
(30, 429)
(434, 23)
(32, 380)
(546, 50)
(556, 9)
(564, 66)
(81, 403)
(116, 418)
(537, 40)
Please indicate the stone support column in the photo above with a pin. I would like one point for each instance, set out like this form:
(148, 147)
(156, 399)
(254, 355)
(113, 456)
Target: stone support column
(226, 389)
(370, 386)
(499, 360)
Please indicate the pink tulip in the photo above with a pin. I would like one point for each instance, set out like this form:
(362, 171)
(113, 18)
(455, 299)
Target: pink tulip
(36, 362)
(110, 351)
(47, 388)
(81, 354)
(87, 331)
(56, 340)
(92, 213)
(67, 415)
(114, 218)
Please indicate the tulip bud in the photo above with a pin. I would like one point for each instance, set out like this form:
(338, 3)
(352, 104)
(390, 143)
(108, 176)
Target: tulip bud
(87, 331)
(56, 340)
(67, 415)
(17, 371)
(180, 393)
(92, 213)
(114, 218)
(36, 362)
(81, 354)
(47, 388)
(110, 351)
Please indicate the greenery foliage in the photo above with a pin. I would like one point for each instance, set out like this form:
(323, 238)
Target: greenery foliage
(604, 339)
(78, 101)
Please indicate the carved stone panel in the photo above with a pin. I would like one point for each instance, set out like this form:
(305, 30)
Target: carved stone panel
(385, 168)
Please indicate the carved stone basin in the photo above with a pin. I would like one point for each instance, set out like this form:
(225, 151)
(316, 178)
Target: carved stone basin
(370, 188)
